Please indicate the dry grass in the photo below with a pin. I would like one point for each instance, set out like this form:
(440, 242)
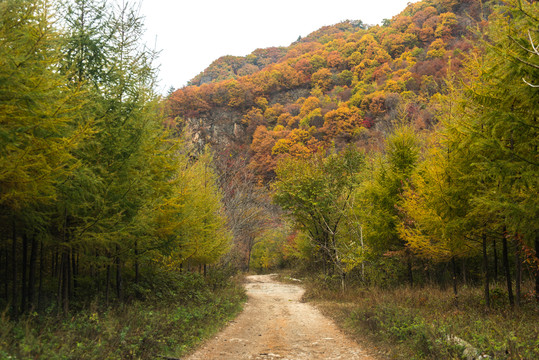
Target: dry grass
(414, 323)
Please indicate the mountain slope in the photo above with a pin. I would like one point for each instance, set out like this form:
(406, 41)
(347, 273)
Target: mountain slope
(345, 83)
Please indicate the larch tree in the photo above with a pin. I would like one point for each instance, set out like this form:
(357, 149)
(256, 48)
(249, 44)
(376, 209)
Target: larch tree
(438, 222)
(189, 221)
(499, 118)
(38, 127)
(91, 183)
(381, 196)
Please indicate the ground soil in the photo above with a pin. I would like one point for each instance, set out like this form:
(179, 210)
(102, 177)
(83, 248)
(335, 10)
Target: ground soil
(275, 324)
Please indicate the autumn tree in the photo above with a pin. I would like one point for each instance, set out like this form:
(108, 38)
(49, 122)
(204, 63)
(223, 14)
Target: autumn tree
(190, 220)
(315, 192)
(38, 109)
(246, 202)
(39, 127)
(345, 121)
(381, 196)
(499, 112)
(118, 77)
(438, 222)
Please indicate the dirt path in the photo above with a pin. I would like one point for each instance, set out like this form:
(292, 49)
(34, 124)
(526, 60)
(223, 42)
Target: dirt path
(276, 325)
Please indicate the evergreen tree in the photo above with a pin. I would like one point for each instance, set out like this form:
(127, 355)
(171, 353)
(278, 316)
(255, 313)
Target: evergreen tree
(500, 118)
(36, 108)
(381, 196)
(39, 129)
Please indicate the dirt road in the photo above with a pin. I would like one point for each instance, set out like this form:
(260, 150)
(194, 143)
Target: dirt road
(276, 325)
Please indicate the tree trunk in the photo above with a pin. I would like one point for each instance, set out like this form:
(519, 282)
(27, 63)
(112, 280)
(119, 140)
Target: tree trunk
(136, 263)
(14, 308)
(58, 282)
(69, 268)
(495, 251)
(74, 271)
(486, 272)
(107, 286)
(505, 260)
(455, 289)
(464, 274)
(518, 273)
(24, 288)
(32, 275)
(118, 274)
(65, 281)
(537, 267)
(41, 268)
(6, 271)
(410, 273)
(97, 280)
(249, 255)
(54, 261)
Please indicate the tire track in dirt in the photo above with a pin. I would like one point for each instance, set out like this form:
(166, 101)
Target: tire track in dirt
(276, 325)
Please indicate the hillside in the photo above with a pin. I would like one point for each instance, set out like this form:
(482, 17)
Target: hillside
(345, 83)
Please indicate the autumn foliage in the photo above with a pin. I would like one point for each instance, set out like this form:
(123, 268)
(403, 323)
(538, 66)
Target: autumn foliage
(423, 95)
(341, 84)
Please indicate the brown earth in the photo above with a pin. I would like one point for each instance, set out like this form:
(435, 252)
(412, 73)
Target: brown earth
(276, 325)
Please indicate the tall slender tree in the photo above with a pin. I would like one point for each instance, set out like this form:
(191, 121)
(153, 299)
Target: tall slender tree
(503, 113)
(38, 122)
(382, 195)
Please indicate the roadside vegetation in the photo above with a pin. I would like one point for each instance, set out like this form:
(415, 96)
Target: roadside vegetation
(424, 322)
(183, 310)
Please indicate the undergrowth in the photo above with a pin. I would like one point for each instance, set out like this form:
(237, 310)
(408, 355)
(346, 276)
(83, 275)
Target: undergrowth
(422, 322)
(166, 323)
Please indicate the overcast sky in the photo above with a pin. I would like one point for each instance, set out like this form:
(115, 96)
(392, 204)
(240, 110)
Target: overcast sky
(193, 33)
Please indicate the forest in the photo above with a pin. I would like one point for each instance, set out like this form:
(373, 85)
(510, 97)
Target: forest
(100, 204)
(418, 136)
(400, 158)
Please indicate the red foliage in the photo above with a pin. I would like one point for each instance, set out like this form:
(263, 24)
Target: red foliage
(189, 102)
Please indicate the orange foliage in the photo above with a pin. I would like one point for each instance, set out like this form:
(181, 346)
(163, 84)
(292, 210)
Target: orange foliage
(421, 16)
(298, 143)
(334, 81)
(344, 120)
(447, 22)
(273, 113)
(335, 60)
(309, 105)
(322, 79)
(263, 163)
(189, 102)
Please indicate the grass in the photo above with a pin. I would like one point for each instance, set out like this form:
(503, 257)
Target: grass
(162, 325)
(417, 323)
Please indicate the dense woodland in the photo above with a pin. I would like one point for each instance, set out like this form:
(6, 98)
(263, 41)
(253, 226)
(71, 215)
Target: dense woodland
(96, 197)
(405, 152)
(380, 155)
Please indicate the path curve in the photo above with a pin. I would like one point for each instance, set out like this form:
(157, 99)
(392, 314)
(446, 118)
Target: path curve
(276, 325)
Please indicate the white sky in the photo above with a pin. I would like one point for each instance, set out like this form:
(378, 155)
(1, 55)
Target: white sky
(193, 33)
